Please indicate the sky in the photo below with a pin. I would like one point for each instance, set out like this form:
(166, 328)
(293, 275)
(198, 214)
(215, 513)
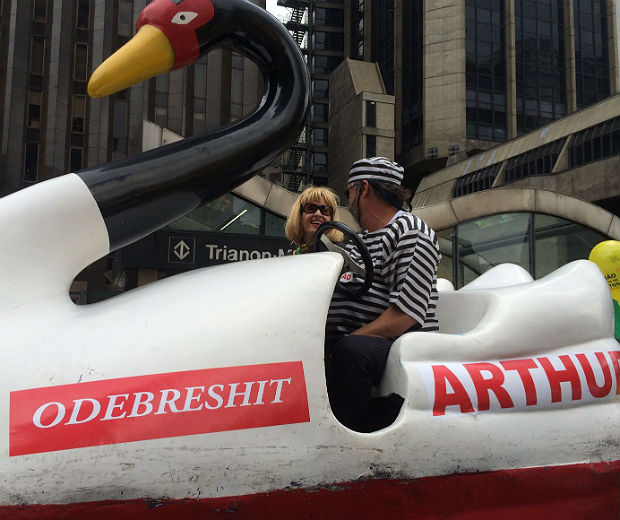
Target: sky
(279, 12)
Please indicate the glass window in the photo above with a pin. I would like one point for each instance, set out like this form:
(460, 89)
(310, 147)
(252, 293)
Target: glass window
(125, 18)
(82, 14)
(371, 145)
(34, 108)
(319, 136)
(559, 241)
(81, 62)
(40, 11)
(274, 225)
(485, 242)
(77, 119)
(325, 64)
(371, 114)
(37, 53)
(539, 243)
(320, 112)
(320, 88)
(445, 238)
(76, 159)
(319, 162)
(31, 159)
(227, 214)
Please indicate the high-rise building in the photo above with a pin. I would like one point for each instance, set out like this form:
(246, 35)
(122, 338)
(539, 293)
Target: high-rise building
(318, 28)
(48, 48)
(470, 74)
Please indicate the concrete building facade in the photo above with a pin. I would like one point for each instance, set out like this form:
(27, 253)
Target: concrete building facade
(471, 74)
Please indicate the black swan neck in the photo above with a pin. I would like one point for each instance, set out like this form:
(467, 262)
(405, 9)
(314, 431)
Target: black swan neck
(141, 194)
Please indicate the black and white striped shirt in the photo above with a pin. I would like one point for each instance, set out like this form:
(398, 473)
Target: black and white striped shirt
(405, 255)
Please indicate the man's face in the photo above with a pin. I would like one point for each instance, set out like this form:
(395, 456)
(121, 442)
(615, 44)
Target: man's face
(351, 191)
(353, 195)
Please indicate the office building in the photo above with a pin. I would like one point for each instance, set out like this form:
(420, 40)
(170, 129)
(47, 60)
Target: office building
(467, 75)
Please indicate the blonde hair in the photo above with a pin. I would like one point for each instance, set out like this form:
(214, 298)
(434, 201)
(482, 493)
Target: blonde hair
(293, 229)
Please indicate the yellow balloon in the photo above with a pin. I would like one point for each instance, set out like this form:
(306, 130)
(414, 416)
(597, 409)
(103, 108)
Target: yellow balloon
(607, 256)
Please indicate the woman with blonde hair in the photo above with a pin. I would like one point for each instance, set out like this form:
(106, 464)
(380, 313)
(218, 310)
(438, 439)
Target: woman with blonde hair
(315, 205)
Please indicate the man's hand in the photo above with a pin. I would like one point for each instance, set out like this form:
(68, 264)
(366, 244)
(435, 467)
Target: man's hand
(390, 324)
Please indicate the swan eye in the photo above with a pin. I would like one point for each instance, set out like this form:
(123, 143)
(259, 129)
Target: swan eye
(184, 17)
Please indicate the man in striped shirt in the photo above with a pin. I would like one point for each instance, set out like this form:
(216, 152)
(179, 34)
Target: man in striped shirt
(402, 297)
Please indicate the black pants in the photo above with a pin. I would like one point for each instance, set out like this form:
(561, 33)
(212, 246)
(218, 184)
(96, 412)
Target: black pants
(357, 364)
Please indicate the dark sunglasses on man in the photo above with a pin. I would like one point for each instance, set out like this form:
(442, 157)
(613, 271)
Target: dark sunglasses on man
(326, 211)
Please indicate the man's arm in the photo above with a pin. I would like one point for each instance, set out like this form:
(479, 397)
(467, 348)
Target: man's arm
(390, 324)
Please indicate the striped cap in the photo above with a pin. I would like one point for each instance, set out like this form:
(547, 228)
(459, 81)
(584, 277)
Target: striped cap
(376, 169)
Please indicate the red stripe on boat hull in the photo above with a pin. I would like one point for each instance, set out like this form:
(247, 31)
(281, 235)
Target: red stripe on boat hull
(590, 491)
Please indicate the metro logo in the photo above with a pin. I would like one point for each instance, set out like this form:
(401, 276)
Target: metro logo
(540, 382)
(156, 406)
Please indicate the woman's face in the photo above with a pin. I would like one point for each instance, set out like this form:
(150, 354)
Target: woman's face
(313, 214)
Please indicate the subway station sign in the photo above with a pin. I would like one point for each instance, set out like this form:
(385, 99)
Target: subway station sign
(183, 251)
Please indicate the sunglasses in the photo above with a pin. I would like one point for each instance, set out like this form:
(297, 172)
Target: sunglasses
(310, 207)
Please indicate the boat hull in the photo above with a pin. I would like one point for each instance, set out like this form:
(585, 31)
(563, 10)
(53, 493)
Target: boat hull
(573, 491)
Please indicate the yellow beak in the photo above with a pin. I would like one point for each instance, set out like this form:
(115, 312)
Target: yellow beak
(147, 54)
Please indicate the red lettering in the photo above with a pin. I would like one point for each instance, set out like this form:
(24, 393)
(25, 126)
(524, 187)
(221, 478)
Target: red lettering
(443, 399)
(523, 367)
(556, 377)
(596, 390)
(492, 384)
(615, 361)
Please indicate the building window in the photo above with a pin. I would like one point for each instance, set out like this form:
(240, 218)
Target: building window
(540, 60)
(333, 41)
(473, 182)
(357, 29)
(382, 38)
(125, 17)
(320, 112)
(453, 149)
(319, 136)
(594, 143)
(236, 90)
(37, 56)
(331, 17)
(82, 19)
(538, 161)
(319, 162)
(432, 152)
(486, 70)
(371, 114)
(591, 51)
(412, 31)
(371, 146)
(226, 214)
(325, 64)
(80, 70)
(39, 11)
(320, 88)
(31, 162)
(76, 159)
(537, 242)
(119, 128)
(34, 108)
(78, 111)
(161, 100)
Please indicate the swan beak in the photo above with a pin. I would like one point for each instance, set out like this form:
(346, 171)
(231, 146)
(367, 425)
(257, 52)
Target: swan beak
(147, 54)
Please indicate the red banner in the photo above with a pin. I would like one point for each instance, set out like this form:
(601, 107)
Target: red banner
(156, 406)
